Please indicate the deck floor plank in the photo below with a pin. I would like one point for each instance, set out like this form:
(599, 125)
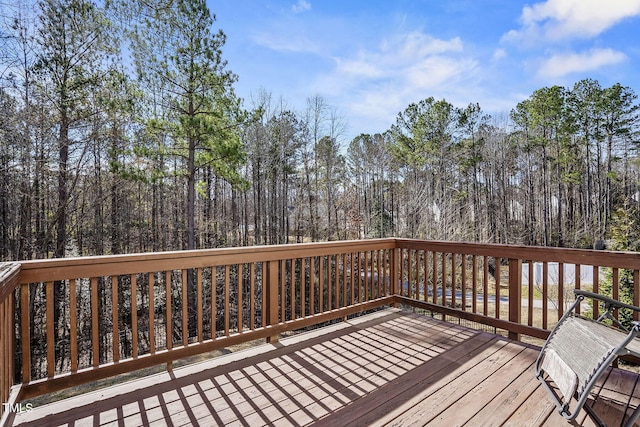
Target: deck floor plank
(481, 395)
(519, 387)
(391, 368)
(534, 411)
(445, 394)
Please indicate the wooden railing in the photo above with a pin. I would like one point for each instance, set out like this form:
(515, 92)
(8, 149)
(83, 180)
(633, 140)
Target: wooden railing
(71, 321)
(484, 282)
(89, 318)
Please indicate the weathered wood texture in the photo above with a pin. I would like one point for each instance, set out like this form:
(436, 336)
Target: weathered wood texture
(390, 368)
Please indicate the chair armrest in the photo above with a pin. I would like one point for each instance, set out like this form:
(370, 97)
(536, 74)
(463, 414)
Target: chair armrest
(608, 301)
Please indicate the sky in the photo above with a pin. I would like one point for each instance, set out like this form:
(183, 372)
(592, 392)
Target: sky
(369, 59)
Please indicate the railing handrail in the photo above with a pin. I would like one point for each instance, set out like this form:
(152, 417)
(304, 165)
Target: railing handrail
(91, 266)
(57, 269)
(614, 259)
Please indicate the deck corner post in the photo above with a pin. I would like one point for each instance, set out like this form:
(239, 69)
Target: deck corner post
(515, 294)
(271, 296)
(8, 284)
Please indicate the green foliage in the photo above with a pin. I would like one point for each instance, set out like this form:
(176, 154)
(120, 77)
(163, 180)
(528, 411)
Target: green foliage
(382, 221)
(625, 236)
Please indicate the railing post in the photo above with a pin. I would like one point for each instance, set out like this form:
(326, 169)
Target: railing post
(271, 288)
(8, 284)
(515, 294)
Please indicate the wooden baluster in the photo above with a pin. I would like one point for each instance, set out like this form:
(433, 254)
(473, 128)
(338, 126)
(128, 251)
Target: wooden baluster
(214, 302)
(578, 280)
(185, 309)
(151, 313)
(393, 271)
(312, 285)
(73, 325)
(434, 274)
(336, 283)
(463, 281)
(636, 293)
(474, 283)
(560, 289)
(531, 286)
(352, 281)
(336, 272)
(95, 322)
(271, 297)
(443, 266)
(292, 289)
(25, 332)
(615, 288)
(329, 283)
(226, 300)
(199, 302)
(453, 280)
(240, 300)
(410, 254)
(596, 289)
(51, 350)
(115, 330)
(426, 276)
(134, 315)
(401, 278)
(344, 281)
(303, 296)
(485, 285)
(498, 285)
(320, 284)
(545, 293)
(282, 278)
(252, 295)
(169, 314)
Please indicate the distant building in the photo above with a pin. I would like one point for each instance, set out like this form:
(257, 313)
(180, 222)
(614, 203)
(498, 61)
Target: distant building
(586, 273)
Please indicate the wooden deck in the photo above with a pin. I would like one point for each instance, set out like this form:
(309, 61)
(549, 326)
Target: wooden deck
(390, 368)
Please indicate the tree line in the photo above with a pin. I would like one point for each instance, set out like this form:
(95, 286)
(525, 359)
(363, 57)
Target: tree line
(121, 132)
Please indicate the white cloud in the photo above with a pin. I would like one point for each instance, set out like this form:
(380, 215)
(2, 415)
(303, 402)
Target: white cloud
(375, 84)
(404, 55)
(301, 6)
(359, 67)
(286, 42)
(561, 65)
(498, 54)
(438, 71)
(417, 45)
(555, 20)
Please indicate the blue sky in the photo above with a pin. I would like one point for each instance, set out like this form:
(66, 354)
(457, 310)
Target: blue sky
(370, 59)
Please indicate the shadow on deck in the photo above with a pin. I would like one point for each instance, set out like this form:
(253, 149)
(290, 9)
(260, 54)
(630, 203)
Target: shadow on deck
(387, 368)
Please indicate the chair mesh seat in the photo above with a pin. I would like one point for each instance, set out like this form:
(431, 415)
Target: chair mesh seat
(583, 345)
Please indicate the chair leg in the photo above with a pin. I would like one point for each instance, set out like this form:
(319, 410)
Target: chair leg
(633, 417)
(596, 419)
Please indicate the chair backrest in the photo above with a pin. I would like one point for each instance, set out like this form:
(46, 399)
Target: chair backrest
(576, 350)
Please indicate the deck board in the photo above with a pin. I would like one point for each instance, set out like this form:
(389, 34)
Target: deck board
(390, 368)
